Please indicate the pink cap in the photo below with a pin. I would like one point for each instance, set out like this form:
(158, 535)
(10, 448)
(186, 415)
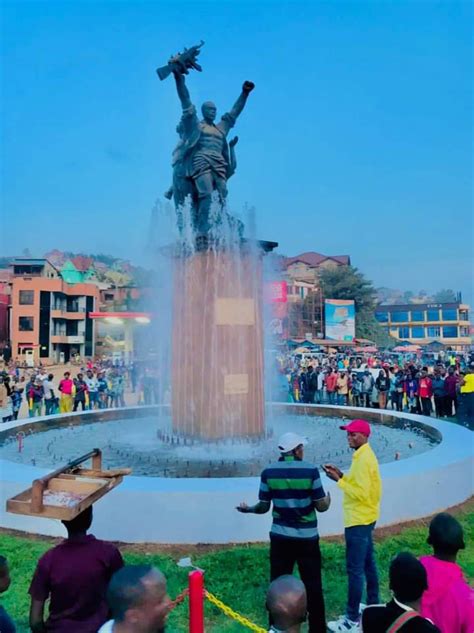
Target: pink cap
(357, 426)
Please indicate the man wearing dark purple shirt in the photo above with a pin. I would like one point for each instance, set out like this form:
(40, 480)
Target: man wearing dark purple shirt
(74, 575)
(451, 383)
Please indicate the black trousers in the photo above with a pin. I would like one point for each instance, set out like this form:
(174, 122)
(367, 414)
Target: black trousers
(284, 553)
(426, 406)
(450, 400)
(397, 400)
(79, 402)
(440, 406)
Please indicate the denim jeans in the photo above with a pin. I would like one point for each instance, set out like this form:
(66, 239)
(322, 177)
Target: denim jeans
(365, 400)
(342, 399)
(332, 397)
(360, 564)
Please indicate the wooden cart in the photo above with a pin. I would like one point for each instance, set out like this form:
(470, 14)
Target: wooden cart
(66, 492)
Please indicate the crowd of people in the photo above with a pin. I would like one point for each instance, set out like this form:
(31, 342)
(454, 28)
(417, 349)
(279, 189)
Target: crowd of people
(443, 386)
(83, 586)
(97, 385)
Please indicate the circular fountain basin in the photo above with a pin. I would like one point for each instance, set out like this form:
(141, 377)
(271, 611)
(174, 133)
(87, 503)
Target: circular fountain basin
(185, 491)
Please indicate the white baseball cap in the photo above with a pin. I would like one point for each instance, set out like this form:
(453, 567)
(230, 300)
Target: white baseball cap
(289, 441)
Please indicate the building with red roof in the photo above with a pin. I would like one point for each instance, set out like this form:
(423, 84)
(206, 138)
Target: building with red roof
(301, 272)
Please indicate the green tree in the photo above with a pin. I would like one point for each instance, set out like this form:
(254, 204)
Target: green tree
(346, 282)
(445, 296)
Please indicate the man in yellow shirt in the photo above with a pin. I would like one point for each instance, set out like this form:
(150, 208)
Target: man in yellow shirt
(466, 400)
(362, 488)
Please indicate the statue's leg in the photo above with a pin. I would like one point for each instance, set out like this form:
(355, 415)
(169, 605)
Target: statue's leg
(221, 186)
(180, 190)
(204, 186)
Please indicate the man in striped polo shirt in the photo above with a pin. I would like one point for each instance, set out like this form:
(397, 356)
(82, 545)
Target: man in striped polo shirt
(294, 487)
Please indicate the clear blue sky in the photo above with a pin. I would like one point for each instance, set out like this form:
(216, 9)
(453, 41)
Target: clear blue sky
(356, 140)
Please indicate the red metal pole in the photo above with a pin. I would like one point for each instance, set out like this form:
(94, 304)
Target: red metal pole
(196, 601)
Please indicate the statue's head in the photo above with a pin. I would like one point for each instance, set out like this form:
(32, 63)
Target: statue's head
(209, 111)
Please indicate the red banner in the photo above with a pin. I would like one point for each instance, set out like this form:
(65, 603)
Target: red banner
(276, 292)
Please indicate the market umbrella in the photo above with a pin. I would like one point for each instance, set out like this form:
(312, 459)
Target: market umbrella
(406, 348)
(302, 350)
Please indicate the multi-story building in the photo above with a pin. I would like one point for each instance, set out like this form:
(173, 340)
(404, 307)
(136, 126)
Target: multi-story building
(49, 318)
(305, 301)
(306, 267)
(446, 323)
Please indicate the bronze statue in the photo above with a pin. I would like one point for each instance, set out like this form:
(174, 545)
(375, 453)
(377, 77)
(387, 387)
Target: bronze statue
(203, 161)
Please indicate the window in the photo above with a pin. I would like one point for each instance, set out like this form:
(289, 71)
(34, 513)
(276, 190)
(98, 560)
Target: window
(418, 315)
(464, 331)
(434, 331)
(450, 331)
(382, 317)
(433, 315)
(26, 269)
(27, 297)
(110, 297)
(25, 324)
(71, 328)
(450, 315)
(399, 317)
(418, 331)
(404, 332)
(464, 315)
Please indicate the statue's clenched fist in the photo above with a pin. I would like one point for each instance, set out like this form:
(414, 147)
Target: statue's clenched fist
(248, 86)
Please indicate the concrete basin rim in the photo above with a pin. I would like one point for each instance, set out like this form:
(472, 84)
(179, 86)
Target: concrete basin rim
(456, 444)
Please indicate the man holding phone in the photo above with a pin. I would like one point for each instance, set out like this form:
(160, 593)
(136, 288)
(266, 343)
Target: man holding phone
(362, 488)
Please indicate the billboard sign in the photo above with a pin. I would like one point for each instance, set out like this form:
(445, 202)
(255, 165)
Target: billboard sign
(276, 292)
(276, 313)
(339, 319)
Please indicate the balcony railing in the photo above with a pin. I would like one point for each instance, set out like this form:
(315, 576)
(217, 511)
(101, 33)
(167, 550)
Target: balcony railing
(58, 313)
(76, 339)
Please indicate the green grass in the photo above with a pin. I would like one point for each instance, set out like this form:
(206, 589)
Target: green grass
(238, 575)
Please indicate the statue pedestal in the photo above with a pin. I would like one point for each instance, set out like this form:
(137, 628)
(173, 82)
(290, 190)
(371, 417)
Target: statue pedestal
(217, 347)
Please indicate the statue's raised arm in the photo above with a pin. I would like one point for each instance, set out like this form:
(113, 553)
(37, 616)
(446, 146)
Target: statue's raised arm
(229, 119)
(182, 90)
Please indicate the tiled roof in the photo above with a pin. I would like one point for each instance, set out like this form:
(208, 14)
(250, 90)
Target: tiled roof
(315, 259)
